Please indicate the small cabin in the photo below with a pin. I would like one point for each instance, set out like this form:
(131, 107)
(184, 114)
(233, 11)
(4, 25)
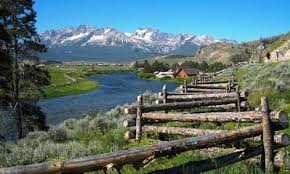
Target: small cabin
(186, 72)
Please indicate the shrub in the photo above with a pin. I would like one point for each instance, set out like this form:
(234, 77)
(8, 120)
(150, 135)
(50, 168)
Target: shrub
(58, 134)
(146, 76)
(270, 80)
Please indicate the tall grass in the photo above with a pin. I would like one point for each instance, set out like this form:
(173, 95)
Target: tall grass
(271, 80)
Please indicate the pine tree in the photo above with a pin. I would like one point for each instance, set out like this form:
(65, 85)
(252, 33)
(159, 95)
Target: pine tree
(135, 66)
(21, 42)
(5, 67)
(147, 67)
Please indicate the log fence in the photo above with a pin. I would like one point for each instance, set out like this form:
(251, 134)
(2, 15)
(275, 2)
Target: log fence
(153, 117)
(263, 134)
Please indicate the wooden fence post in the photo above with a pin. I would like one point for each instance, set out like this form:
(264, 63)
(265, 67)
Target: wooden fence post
(228, 87)
(267, 137)
(238, 104)
(185, 86)
(164, 91)
(139, 118)
(233, 80)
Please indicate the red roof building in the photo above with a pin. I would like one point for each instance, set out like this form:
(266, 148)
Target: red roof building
(186, 72)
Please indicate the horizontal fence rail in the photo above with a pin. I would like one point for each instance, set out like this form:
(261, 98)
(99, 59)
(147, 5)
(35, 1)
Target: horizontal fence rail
(99, 162)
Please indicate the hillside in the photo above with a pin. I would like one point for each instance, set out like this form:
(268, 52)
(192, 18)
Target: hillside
(278, 50)
(228, 52)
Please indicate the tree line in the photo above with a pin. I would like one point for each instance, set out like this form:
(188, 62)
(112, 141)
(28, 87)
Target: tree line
(160, 66)
(21, 80)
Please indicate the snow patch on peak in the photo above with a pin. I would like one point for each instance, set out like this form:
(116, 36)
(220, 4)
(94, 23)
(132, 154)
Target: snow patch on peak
(107, 30)
(96, 38)
(75, 37)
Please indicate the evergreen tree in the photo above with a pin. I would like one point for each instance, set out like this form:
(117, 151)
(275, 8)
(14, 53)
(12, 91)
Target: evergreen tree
(147, 67)
(5, 67)
(19, 42)
(159, 66)
(135, 66)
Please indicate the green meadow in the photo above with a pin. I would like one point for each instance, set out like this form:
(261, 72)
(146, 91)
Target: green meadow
(70, 80)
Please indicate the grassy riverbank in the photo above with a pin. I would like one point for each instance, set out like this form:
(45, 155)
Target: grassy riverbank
(70, 80)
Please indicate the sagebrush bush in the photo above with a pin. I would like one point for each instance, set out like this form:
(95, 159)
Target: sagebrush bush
(268, 79)
(96, 133)
(58, 134)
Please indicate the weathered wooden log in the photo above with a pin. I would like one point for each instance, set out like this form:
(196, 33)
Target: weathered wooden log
(238, 97)
(231, 107)
(281, 138)
(214, 82)
(198, 97)
(181, 105)
(282, 160)
(139, 118)
(185, 86)
(224, 85)
(159, 101)
(213, 163)
(193, 90)
(243, 94)
(279, 118)
(98, 162)
(188, 132)
(267, 136)
(129, 122)
(132, 109)
(202, 96)
(164, 96)
(185, 105)
(203, 87)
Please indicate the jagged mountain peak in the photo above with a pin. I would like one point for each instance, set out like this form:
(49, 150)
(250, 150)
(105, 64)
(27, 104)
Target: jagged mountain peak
(140, 43)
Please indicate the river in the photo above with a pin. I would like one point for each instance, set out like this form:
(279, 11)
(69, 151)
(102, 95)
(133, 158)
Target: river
(116, 89)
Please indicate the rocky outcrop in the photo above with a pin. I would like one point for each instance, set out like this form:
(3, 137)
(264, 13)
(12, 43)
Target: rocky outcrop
(280, 53)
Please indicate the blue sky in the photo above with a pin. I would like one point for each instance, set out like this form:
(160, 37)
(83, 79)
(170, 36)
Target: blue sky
(240, 20)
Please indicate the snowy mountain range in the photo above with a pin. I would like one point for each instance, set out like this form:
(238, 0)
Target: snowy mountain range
(110, 45)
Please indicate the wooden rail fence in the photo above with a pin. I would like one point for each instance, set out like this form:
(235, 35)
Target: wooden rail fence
(151, 117)
(263, 135)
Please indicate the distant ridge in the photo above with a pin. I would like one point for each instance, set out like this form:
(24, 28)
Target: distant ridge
(110, 45)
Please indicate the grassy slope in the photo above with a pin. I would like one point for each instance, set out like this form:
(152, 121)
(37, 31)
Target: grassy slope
(278, 43)
(223, 52)
(62, 86)
(270, 80)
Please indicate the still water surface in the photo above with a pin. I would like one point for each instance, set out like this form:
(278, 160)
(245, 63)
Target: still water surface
(116, 89)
